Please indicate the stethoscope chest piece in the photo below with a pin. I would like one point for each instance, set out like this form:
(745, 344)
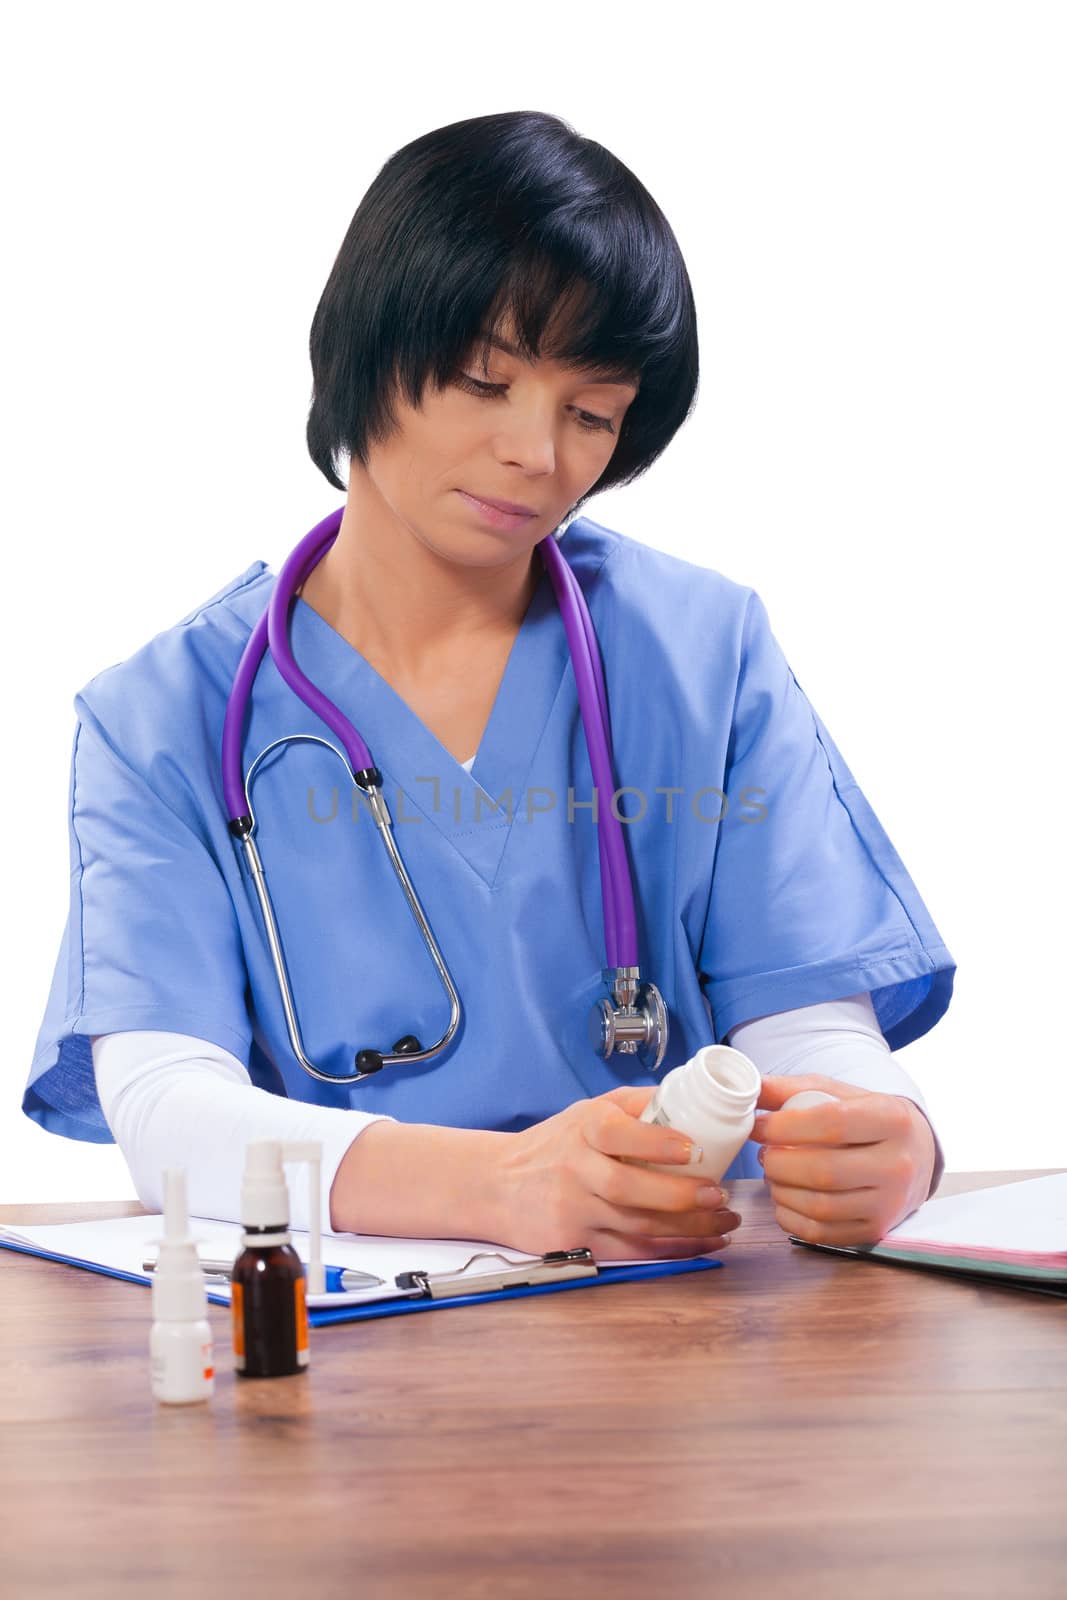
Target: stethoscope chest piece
(636, 1024)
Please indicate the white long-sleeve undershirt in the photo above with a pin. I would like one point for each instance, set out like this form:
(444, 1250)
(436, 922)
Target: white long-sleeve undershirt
(172, 1100)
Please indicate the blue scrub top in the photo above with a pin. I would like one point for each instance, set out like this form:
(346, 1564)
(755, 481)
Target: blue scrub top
(762, 878)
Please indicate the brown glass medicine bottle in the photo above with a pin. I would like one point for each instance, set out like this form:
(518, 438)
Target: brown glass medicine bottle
(269, 1307)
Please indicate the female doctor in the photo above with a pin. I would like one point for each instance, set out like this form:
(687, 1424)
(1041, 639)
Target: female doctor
(508, 328)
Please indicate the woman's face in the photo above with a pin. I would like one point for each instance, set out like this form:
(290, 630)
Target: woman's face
(535, 434)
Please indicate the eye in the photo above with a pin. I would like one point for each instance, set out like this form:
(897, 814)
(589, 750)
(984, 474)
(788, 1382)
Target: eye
(586, 419)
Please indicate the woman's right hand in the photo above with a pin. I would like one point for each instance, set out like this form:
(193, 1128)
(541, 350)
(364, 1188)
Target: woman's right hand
(561, 1185)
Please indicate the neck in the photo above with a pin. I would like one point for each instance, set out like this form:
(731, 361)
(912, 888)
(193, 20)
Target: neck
(406, 607)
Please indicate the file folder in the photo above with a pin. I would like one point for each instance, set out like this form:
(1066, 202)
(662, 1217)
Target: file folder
(1013, 1234)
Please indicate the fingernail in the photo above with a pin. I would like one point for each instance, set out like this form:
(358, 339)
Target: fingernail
(710, 1195)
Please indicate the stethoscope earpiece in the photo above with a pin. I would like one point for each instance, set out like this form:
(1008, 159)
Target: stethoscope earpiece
(368, 1061)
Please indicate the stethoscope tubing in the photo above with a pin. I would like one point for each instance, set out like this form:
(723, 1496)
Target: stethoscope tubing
(271, 632)
(620, 929)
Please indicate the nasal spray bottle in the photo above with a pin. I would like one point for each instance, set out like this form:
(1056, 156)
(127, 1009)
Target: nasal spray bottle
(180, 1345)
(712, 1100)
(270, 1325)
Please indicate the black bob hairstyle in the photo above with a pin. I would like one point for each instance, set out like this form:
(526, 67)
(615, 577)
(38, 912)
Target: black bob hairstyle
(509, 213)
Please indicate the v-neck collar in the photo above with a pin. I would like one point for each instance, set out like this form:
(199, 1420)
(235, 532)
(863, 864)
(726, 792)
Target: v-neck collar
(404, 749)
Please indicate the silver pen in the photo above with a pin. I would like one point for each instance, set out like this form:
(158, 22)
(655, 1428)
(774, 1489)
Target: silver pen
(338, 1279)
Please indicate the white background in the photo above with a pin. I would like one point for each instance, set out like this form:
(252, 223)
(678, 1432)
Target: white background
(870, 202)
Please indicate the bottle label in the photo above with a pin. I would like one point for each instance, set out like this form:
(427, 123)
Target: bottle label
(182, 1368)
(660, 1117)
(299, 1285)
(238, 1301)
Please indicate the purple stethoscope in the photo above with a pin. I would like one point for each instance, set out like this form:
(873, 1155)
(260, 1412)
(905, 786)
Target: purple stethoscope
(634, 1021)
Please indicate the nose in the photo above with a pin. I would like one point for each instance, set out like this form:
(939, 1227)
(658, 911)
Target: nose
(527, 440)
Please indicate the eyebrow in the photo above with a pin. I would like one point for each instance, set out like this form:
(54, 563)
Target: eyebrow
(597, 377)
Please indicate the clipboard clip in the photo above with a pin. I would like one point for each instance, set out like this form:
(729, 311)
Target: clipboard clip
(552, 1267)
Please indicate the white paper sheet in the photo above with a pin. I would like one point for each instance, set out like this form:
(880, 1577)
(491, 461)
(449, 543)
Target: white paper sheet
(1028, 1218)
(125, 1242)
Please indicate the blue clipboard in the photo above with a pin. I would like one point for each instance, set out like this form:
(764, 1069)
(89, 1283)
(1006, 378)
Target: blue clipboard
(322, 1316)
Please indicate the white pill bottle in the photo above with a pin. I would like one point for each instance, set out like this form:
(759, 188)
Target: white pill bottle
(712, 1099)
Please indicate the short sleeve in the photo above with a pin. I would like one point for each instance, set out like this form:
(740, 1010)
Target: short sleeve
(151, 940)
(809, 900)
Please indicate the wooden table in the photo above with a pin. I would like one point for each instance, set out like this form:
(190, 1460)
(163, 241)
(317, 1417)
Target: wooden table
(793, 1425)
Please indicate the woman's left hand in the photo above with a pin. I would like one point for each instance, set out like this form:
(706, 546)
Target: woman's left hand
(843, 1173)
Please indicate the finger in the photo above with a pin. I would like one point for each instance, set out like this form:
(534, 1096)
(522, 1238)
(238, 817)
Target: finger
(608, 1246)
(833, 1170)
(854, 1206)
(632, 1097)
(866, 1118)
(638, 1188)
(625, 1219)
(777, 1089)
(613, 1131)
(854, 1234)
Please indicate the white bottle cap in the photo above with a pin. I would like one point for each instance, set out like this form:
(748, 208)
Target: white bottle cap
(179, 1293)
(806, 1097)
(265, 1194)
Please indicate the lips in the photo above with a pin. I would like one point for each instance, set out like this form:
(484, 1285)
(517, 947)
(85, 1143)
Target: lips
(503, 505)
(490, 514)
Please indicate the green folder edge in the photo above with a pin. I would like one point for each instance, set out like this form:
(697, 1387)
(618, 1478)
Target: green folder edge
(1041, 1280)
(321, 1316)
